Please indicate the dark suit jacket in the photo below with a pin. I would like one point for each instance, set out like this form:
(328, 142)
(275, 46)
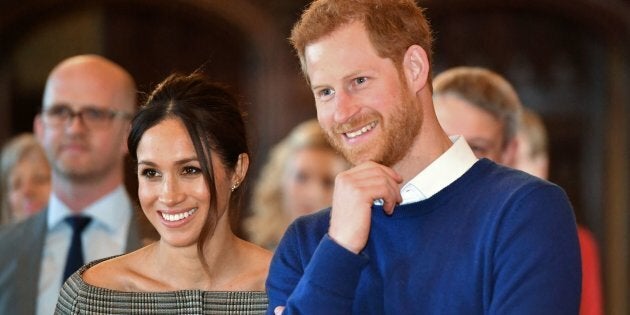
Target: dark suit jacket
(21, 248)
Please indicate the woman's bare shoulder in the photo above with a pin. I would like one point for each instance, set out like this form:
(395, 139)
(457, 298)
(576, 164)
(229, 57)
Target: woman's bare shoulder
(258, 260)
(119, 273)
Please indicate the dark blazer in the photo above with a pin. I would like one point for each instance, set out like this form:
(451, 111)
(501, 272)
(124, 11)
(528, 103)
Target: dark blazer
(21, 248)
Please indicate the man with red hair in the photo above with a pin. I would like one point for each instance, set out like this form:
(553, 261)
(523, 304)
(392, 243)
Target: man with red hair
(418, 225)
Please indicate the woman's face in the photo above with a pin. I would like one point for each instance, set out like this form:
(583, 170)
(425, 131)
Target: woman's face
(171, 187)
(29, 185)
(308, 180)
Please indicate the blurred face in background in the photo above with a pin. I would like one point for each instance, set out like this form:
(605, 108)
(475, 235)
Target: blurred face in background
(309, 179)
(29, 185)
(537, 165)
(482, 131)
(88, 147)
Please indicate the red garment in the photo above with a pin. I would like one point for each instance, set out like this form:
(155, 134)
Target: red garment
(591, 281)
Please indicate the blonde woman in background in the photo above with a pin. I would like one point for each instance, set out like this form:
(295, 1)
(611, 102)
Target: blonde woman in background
(25, 178)
(298, 179)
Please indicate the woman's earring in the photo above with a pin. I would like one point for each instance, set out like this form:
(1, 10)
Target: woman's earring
(235, 185)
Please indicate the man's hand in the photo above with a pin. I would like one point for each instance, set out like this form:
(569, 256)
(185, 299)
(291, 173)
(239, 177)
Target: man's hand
(355, 192)
(278, 310)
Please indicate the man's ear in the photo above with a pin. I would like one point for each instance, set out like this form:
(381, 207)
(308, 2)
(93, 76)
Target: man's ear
(508, 155)
(416, 68)
(125, 148)
(38, 128)
(240, 170)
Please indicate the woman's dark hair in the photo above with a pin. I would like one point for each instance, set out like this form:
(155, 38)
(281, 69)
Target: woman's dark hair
(214, 122)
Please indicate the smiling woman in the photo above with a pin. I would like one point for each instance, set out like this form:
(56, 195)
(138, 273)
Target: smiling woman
(190, 145)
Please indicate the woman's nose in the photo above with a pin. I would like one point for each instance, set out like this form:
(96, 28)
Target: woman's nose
(171, 193)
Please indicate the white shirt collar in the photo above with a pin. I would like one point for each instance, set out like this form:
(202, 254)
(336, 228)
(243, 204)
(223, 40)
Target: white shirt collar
(108, 211)
(447, 168)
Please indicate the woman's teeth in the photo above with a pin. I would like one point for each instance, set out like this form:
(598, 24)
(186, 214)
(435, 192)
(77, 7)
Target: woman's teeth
(178, 216)
(361, 131)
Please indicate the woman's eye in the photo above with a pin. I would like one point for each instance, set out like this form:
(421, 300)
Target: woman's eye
(191, 170)
(14, 184)
(42, 179)
(329, 182)
(149, 173)
(301, 177)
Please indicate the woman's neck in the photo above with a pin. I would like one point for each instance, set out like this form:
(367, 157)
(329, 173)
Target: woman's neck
(182, 268)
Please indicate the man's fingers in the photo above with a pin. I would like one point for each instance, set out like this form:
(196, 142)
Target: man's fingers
(278, 310)
(389, 205)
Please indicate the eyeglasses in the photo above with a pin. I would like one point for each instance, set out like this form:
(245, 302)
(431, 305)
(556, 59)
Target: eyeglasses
(59, 115)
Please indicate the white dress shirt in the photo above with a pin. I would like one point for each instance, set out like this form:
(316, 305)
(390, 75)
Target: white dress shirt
(442, 172)
(106, 235)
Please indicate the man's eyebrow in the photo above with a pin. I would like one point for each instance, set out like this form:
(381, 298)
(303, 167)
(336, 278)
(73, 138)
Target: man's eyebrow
(351, 75)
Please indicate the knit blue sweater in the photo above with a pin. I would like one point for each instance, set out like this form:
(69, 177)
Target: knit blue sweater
(495, 241)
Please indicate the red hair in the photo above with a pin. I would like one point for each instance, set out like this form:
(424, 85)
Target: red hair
(392, 25)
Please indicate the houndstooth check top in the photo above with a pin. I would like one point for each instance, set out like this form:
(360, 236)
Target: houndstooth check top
(78, 297)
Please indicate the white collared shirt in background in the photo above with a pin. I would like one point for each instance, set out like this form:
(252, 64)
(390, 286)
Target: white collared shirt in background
(106, 235)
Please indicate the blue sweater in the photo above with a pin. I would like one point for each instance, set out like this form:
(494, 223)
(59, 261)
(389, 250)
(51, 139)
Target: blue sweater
(495, 241)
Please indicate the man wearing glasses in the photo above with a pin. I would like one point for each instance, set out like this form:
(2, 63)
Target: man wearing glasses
(87, 105)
